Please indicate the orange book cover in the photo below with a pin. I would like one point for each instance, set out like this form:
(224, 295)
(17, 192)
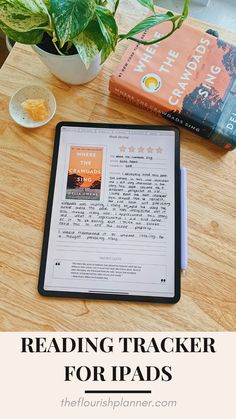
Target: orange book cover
(189, 78)
(84, 173)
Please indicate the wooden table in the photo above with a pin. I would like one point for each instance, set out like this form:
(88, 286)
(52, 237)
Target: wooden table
(208, 300)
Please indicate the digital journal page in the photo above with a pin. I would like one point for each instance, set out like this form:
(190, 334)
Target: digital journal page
(113, 215)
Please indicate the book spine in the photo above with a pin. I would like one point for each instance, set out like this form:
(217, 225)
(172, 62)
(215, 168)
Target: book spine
(124, 91)
(215, 135)
(127, 92)
(179, 119)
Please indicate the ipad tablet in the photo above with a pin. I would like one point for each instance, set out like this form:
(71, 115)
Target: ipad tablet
(112, 228)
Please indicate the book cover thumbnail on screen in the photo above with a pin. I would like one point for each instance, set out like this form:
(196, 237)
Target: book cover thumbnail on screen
(84, 173)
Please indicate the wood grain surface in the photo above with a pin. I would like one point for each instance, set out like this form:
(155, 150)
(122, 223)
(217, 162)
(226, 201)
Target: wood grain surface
(208, 300)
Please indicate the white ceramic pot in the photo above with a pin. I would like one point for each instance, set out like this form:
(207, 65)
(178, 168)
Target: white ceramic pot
(69, 68)
(9, 43)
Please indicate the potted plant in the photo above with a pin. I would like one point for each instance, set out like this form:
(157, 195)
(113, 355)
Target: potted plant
(74, 37)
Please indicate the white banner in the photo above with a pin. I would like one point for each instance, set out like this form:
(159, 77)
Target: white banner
(106, 375)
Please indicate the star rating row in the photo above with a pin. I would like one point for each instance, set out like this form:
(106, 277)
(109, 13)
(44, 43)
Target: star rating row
(141, 149)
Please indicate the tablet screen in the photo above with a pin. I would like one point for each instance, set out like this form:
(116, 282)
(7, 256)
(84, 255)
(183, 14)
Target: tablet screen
(112, 215)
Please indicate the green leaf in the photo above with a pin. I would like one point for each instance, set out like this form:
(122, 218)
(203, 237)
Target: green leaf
(147, 23)
(71, 17)
(23, 15)
(147, 3)
(184, 13)
(112, 5)
(31, 37)
(107, 25)
(185, 9)
(48, 5)
(89, 43)
(106, 51)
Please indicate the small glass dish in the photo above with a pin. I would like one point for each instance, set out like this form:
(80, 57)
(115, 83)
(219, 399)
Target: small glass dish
(20, 116)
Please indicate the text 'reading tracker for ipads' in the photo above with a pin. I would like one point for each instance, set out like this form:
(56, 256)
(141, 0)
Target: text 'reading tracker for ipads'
(112, 226)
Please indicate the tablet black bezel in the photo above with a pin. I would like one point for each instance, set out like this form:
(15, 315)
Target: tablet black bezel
(106, 296)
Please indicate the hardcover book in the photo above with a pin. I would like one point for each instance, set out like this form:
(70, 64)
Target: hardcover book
(188, 78)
